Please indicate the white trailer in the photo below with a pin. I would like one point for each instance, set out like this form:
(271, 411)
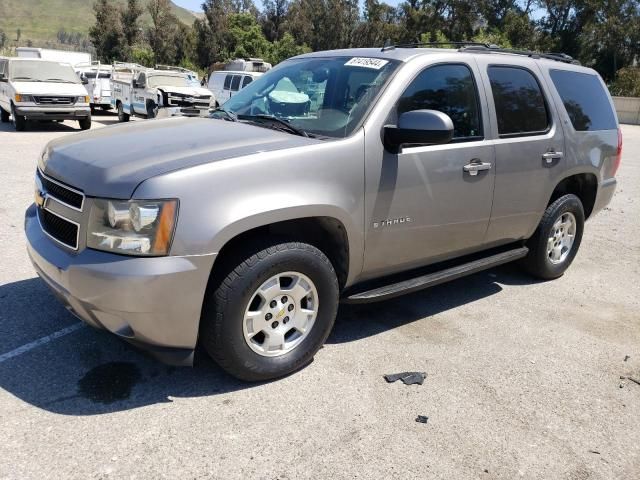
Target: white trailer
(62, 56)
(147, 92)
(96, 78)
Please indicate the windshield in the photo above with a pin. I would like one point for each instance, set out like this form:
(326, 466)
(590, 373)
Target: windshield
(41, 71)
(167, 81)
(326, 96)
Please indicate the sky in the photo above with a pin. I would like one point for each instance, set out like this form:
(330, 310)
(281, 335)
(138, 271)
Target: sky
(196, 5)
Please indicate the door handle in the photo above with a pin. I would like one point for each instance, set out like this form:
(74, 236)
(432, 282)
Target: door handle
(476, 166)
(549, 157)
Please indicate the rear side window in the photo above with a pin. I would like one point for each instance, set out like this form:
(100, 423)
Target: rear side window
(235, 83)
(247, 80)
(227, 82)
(585, 100)
(449, 89)
(520, 104)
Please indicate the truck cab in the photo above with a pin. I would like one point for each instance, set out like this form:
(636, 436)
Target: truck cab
(146, 93)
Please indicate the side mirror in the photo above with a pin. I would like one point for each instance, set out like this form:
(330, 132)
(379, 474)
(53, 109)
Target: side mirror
(3, 78)
(84, 80)
(418, 127)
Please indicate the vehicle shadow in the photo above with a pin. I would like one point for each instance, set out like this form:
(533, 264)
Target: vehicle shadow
(44, 126)
(91, 372)
(355, 322)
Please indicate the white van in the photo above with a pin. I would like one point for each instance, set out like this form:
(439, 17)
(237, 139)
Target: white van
(225, 84)
(33, 89)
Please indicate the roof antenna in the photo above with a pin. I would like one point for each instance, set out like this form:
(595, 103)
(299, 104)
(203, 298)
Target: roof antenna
(387, 45)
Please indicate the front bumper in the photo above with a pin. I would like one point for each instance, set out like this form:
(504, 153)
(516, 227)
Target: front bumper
(152, 302)
(72, 112)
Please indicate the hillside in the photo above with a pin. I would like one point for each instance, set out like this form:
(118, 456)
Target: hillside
(40, 20)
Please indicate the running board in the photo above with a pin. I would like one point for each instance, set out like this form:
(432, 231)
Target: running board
(425, 281)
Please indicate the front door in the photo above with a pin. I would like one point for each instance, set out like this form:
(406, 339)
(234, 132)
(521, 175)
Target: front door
(432, 202)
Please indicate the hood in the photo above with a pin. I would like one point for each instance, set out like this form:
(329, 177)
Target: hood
(49, 88)
(187, 90)
(113, 161)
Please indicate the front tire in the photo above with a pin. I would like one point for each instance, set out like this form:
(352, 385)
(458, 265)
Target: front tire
(270, 311)
(557, 239)
(19, 122)
(4, 115)
(152, 110)
(85, 123)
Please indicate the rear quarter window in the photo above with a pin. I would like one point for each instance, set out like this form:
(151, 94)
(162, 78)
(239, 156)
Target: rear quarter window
(227, 82)
(585, 100)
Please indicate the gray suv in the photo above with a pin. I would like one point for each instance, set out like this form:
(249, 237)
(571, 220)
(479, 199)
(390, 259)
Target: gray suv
(354, 175)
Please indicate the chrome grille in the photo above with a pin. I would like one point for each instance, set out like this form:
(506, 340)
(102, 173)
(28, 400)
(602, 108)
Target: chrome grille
(50, 100)
(63, 193)
(60, 229)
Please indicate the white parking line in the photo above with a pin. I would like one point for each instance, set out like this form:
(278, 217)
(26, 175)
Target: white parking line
(41, 341)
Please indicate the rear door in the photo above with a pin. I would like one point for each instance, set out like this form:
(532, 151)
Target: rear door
(235, 85)
(529, 146)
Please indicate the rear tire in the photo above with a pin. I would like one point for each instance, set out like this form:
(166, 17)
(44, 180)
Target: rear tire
(4, 115)
(122, 116)
(556, 241)
(19, 122)
(270, 310)
(85, 123)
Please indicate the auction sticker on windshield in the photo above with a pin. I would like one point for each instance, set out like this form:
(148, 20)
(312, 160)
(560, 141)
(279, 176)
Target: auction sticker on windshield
(375, 63)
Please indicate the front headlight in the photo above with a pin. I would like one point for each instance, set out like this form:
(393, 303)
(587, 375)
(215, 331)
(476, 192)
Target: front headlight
(84, 99)
(134, 227)
(19, 98)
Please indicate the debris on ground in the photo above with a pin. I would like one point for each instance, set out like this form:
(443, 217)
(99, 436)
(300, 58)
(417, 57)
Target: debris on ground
(594, 451)
(634, 380)
(626, 357)
(408, 378)
(422, 419)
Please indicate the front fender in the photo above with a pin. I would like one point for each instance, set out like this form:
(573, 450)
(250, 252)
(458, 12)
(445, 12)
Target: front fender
(226, 198)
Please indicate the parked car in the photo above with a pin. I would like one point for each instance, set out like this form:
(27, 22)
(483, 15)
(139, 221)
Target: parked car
(96, 78)
(225, 84)
(33, 89)
(146, 92)
(355, 175)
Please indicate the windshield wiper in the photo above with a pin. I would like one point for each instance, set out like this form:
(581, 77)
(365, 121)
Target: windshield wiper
(58, 80)
(229, 114)
(280, 121)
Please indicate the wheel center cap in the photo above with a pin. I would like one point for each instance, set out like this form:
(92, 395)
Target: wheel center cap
(281, 313)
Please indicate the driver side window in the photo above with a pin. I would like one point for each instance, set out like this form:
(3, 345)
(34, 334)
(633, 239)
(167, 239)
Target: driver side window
(449, 89)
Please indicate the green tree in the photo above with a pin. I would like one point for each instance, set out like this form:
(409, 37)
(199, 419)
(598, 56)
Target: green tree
(627, 82)
(273, 18)
(285, 48)
(246, 38)
(129, 18)
(163, 32)
(107, 34)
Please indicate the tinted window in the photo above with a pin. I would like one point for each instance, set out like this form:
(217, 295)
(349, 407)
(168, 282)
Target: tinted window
(247, 80)
(227, 82)
(449, 89)
(235, 83)
(520, 105)
(585, 100)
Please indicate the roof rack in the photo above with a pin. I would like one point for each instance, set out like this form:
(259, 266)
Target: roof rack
(389, 46)
(479, 47)
(559, 57)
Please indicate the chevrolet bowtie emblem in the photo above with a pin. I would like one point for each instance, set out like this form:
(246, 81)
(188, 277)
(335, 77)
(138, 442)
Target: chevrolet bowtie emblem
(41, 198)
